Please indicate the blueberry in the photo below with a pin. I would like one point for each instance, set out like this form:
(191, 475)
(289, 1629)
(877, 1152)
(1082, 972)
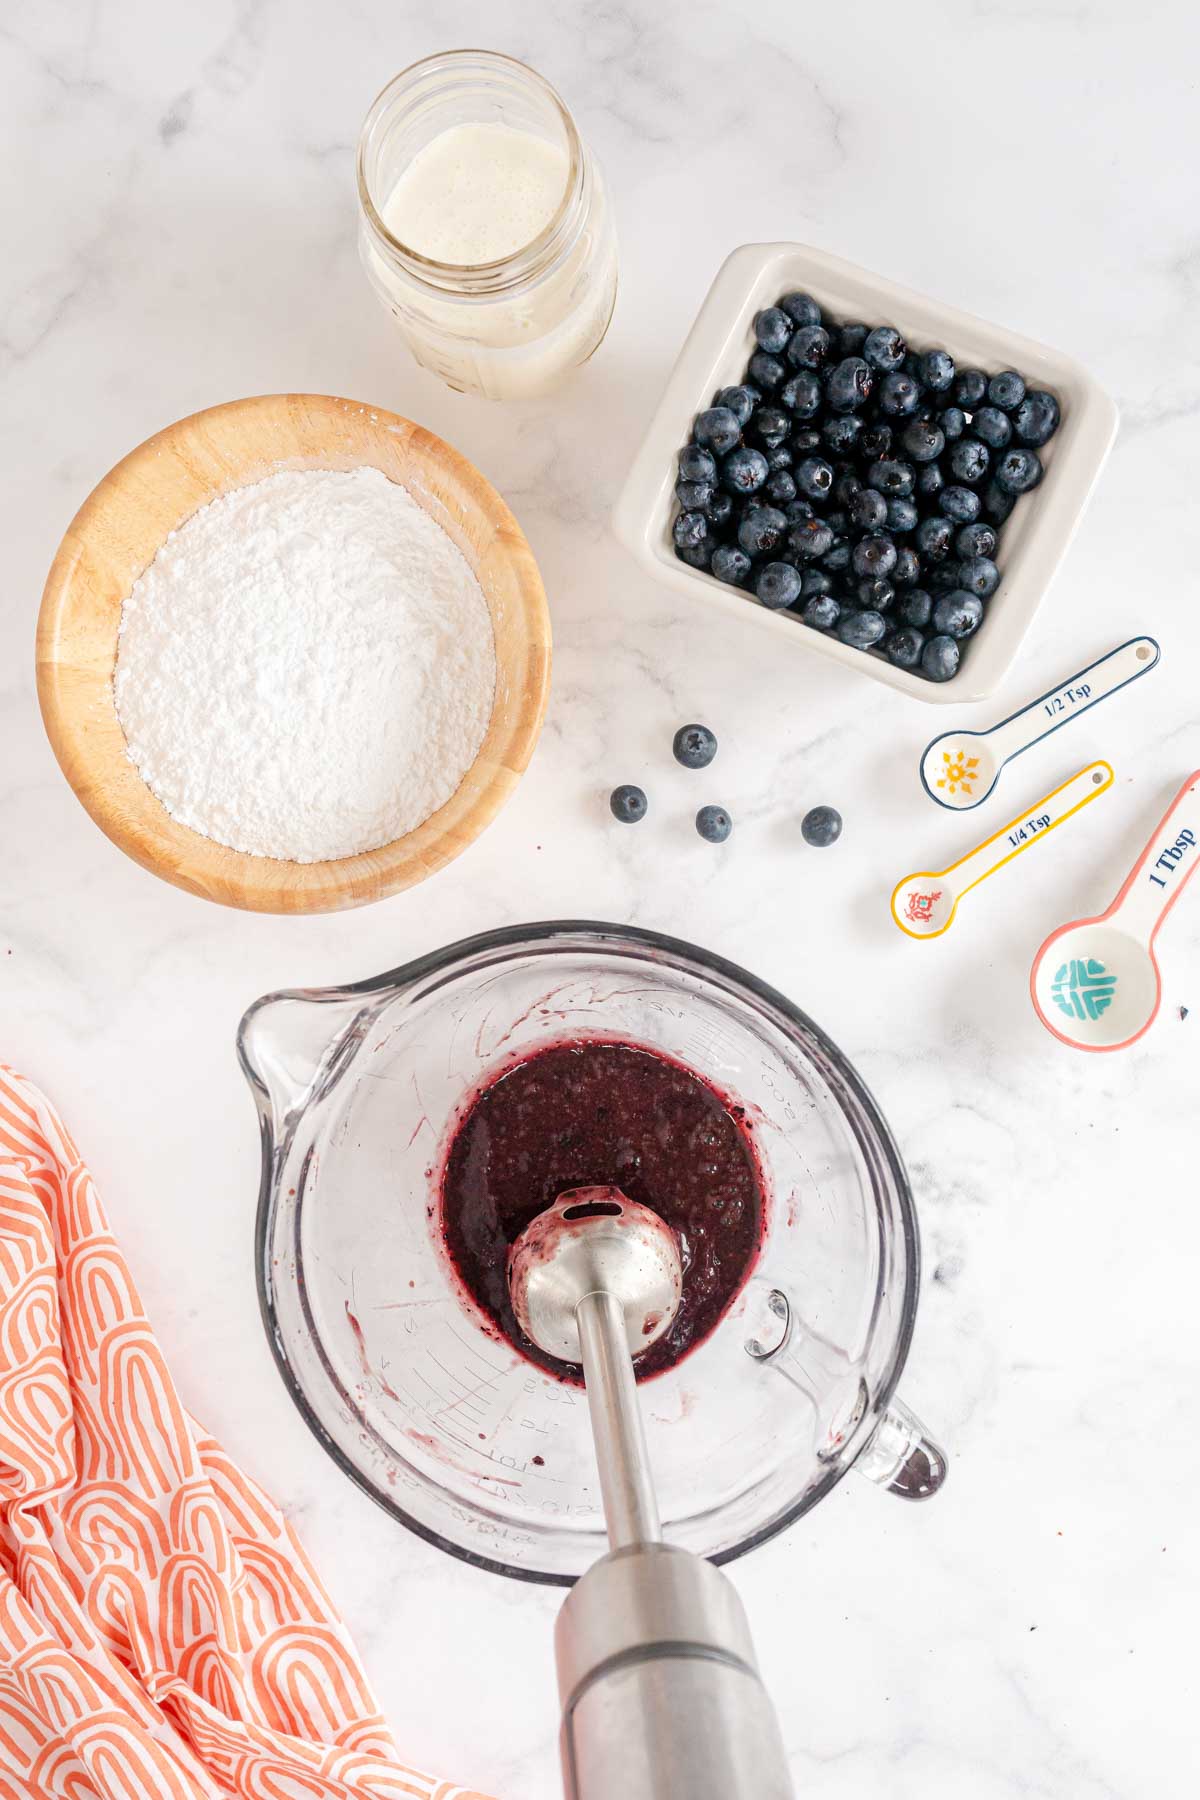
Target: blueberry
(957, 614)
(761, 529)
(875, 594)
(810, 347)
(841, 432)
(1018, 470)
(1006, 390)
(936, 368)
(908, 567)
(849, 339)
(773, 328)
(801, 394)
(1036, 419)
(810, 539)
(731, 564)
(902, 515)
(943, 577)
(849, 386)
(892, 477)
(873, 556)
(837, 557)
(814, 477)
(885, 349)
(898, 395)
(930, 480)
(934, 538)
(979, 575)
(838, 522)
(923, 440)
(970, 386)
(779, 458)
(770, 426)
(814, 582)
(766, 371)
(694, 746)
(846, 488)
(717, 429)
(696, 464)
(778, 585)
(861, 629)
(744, 470)
(975, 540)
(868, 510)
(875, 442)
(690, 528)
(802, 309)
(714, 824)
(780, 488)
(821, 612)
(916, 608)
(805, 439)
(939, 658)
(997, 505)
(698, 556)
(953, 421)
(796, 511)
(627, 803)
(959, 504)
(968, 460)
(741, 401)
(904, 647)
(694, 496)
(821, 826)
(720, 509)
(992, 426)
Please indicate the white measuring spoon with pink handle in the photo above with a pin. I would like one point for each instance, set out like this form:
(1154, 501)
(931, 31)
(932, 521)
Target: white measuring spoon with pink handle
(1096, 982)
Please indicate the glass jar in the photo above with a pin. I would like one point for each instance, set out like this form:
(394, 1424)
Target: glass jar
(513, 327)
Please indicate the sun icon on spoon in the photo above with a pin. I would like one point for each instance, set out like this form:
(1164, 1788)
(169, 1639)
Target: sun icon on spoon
(959, 772)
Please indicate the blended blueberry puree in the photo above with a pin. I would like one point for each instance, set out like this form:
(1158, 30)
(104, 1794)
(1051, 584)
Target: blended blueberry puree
(590, 1114)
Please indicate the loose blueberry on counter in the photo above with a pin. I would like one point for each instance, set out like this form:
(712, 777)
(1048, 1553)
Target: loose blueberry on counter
(689, 529)
(898, 395)
(696, 464)
(814, 477)
(1018, 470)
(694, 746)
(731, 564)
(939, 658)
(953, 421)
(997, 504)
(802, 309)
(957, 614)
(744, 470)
(923, 440)
(936, 370)
(1036, 419)
(761, 529)
(970, 387)
(873, 556)
(916, 608)
(904, 647)
(694, 496)
(810, 347)
(875, 593)
(975, 540)
(885, 349)
(908, 566)
(841, 432)
(934, 538)
(968, 460)
(861, 629)
(868, 510)
(992, 426)
(714, 824)
(1006, 390)
(959, 504)
(801, 394)
(902, 515)
(821, 826)
(720, 509)
(876, 441)
(627, 803)
(979, 575)
(740, 400)
(766, 371)
(770, 426)
(780, 488)
(778, 585)
(773, 328)
(821, 612)
(849, 386)
(717, 429)
(810, 539)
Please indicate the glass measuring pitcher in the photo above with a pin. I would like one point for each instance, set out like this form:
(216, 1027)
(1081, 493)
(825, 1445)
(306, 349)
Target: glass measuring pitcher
(452, 1430)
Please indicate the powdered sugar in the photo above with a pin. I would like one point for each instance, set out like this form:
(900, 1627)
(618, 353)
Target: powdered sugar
(307, 667)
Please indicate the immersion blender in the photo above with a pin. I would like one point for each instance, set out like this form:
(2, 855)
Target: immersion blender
(659, 1688)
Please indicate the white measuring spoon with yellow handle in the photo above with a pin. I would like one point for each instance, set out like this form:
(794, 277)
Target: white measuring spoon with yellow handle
(960, 768)
(924, 904)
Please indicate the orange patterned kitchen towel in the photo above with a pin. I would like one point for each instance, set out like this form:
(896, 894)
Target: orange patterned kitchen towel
(162, 1634)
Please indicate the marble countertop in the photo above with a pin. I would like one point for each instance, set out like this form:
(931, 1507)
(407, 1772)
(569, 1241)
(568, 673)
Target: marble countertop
(180, 229)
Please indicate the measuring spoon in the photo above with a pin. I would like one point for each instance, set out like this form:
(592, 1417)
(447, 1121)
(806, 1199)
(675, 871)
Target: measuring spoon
(960, 768)
(1095, 982)
(924, 904)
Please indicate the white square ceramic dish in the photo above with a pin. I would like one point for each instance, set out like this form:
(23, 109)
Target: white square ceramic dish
(714, 355)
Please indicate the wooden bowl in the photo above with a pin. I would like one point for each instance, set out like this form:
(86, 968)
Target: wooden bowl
(116, 534)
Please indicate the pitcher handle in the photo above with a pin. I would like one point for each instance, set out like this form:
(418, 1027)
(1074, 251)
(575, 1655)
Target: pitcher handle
(902, 1457)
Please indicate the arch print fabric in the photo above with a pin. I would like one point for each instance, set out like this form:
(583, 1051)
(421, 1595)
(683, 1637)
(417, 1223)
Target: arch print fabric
(162, 1634)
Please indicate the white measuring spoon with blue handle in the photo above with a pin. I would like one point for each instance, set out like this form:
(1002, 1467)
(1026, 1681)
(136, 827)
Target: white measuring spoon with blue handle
(960, 768)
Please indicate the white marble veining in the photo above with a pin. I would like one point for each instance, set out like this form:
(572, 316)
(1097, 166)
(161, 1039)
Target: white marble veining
(178, 230)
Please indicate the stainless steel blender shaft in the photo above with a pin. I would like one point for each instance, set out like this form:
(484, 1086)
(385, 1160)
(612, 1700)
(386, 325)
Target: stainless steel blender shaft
(630, 1507)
